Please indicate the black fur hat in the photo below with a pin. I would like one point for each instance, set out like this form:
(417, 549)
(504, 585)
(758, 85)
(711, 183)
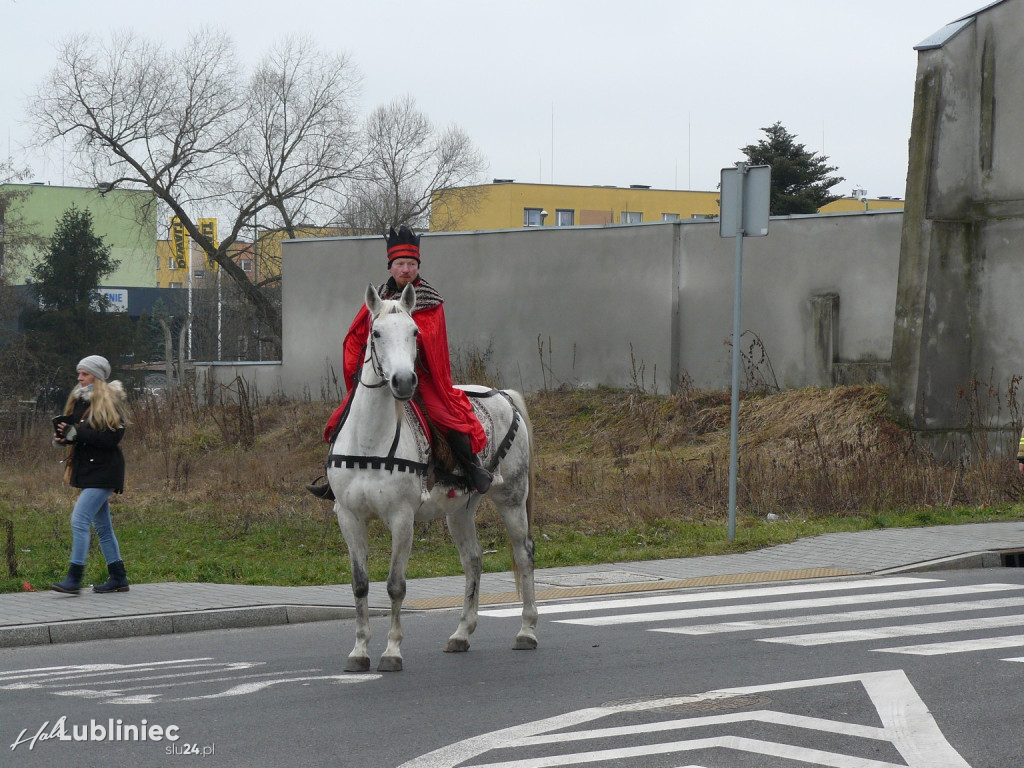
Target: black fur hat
(403, 244)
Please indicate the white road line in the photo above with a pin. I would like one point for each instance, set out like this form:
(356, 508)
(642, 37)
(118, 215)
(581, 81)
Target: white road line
(97, 693)
(79, 669)
(241, 688)
(787, 605)
(755, 746)
(961, 646)
(77, 679)
(760, 716)
(910, 630)
(839, 618)
(905, 721)
(703, 597)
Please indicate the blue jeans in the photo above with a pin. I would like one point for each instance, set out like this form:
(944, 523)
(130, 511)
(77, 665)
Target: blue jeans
(93, 508)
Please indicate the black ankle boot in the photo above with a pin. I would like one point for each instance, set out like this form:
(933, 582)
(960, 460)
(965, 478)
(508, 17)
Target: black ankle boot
(116, 582)
(321, 491)
(479, 477)
(72, 582)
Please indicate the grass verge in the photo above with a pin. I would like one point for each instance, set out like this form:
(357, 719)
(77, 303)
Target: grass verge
(215, 494)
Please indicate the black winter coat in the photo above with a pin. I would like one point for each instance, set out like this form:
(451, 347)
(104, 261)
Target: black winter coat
(97, 461)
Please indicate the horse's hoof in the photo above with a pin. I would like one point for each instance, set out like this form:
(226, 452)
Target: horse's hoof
(457, 645)
(357, 664)
(390, 664)
(524, 643)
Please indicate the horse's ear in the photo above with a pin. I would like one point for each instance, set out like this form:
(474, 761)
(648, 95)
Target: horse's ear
(408, 300)
(373, 301)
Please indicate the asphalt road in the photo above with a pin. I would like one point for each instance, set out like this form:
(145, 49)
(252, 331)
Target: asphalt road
(919, 670)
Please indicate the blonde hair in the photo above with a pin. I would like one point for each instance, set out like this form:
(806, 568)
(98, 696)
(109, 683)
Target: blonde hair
(107, 406)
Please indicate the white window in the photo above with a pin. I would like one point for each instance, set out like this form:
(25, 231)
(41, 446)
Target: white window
(532, 217)
(172, 263)
(670, 217)
(564, 217)
(175, 285)
(199, 274)
(245, 264)
(631, 217)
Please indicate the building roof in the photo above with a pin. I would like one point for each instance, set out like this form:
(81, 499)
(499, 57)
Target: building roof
(948, 32)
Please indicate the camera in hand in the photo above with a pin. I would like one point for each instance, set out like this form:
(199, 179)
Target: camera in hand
(58, 420)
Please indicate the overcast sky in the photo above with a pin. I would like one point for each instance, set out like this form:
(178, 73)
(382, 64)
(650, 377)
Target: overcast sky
(656, 92)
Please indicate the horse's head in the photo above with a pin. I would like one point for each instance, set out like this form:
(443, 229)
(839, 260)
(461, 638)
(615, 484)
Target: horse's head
(392, 340)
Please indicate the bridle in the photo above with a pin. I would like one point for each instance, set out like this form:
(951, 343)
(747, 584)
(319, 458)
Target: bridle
(374, 360)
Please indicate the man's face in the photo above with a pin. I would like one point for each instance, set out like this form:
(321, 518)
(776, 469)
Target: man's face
(404, 271)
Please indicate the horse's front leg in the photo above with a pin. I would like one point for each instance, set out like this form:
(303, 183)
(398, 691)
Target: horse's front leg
(401, 547)
(356, 539)
(462, 527)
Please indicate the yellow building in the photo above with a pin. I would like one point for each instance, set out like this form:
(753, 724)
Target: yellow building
(268, 249)
(859, 204)
(172, 272)
(509, 205)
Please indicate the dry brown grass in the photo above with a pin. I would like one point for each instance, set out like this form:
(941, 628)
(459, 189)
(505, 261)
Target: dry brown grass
(604, 459)
(608, 458)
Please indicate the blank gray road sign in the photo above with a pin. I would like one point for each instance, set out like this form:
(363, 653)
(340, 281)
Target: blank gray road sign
(757, 185)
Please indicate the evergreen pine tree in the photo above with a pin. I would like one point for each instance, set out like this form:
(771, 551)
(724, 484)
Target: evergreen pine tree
(800, 178)
(71, 318)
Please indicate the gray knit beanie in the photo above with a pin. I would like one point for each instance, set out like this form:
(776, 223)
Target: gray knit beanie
(96, 365)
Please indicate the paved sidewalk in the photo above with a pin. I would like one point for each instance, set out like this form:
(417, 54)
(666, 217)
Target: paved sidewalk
(30, 618)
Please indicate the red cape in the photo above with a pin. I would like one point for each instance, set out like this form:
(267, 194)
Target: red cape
(447, 407)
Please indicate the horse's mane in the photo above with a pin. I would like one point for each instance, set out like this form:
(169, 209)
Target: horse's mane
(391, 307)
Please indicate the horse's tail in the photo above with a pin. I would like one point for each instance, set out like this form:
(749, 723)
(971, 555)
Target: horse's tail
(519, 403)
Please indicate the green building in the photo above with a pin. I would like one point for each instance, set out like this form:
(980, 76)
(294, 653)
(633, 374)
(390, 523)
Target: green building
(125, 219)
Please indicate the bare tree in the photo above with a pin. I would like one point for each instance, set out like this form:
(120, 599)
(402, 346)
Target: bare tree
(206, 140)
(407, 158)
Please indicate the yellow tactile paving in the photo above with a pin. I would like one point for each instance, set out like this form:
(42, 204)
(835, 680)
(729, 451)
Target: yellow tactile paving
(644, 586)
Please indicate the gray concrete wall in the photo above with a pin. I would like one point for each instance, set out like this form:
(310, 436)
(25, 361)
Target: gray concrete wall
(545, 307)
(851, 256)
(219, 379)
(618, 305)
(960, 272)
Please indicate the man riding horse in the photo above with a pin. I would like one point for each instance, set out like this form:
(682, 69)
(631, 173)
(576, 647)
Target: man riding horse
(447, 407)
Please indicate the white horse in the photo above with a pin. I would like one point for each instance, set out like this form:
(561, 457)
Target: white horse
(378, 467)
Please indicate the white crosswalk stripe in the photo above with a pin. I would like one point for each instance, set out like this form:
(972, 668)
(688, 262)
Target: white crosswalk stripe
(679, 598)
(958, 646)
(744, 611)
(909, 630)
(929, 609)
(882, 609)
(788, 605)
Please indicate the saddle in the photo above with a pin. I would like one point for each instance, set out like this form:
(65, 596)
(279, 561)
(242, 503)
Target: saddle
(438, 463)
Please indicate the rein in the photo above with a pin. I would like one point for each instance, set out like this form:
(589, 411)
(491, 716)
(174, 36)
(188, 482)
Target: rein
(374, 360)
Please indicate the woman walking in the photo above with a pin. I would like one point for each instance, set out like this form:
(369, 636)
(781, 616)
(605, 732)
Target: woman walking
(93, 425)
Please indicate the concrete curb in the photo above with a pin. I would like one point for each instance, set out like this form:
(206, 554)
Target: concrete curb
(990, 559)
(171, 623)
(728, 570)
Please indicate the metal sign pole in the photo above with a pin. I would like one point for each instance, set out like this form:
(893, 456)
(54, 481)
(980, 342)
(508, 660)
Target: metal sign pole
(746, 193)
(734, 411)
